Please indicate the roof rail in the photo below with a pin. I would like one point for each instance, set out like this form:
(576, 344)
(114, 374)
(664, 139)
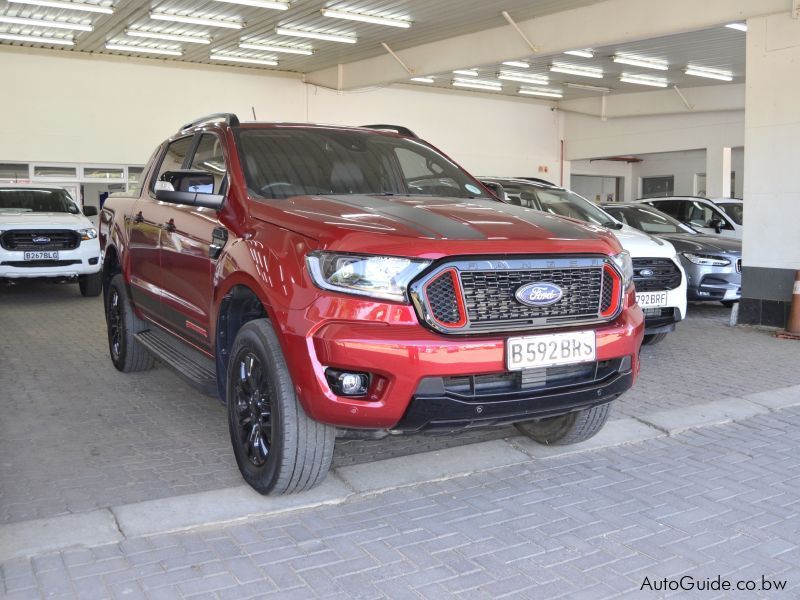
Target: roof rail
(229, 118)
(394, 128)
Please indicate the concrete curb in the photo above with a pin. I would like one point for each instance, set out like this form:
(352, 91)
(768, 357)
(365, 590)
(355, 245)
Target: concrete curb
(218, 507)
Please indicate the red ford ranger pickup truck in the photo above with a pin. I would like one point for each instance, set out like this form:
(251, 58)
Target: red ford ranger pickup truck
(329, 281)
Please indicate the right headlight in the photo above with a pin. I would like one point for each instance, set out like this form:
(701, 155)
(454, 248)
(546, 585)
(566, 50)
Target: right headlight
(385, 277)
(624, 265)
(706, 260)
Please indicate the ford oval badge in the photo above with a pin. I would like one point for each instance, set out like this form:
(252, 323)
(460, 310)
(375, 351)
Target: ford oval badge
(40, 239)
(646, 273)
(539, 294)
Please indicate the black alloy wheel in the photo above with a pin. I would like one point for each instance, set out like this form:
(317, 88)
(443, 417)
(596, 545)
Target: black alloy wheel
(253, 398)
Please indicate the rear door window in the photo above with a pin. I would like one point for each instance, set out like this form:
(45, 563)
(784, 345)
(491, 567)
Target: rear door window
(209, 157)
(174, 157)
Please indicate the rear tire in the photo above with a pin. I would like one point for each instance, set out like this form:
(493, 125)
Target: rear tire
(91, 285)
(653, 338)
(278, 448)
(567, 429)
(126, 353)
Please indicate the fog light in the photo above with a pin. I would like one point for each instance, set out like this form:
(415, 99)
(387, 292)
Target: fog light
(347, 384)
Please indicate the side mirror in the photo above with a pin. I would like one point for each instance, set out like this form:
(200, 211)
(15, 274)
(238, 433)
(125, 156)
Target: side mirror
(90, 211)
(716, 225)
(194, 188)
(496, 189)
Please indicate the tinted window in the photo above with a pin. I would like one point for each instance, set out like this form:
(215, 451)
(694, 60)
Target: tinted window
(733, 210)
(280, 163)
(671, 207)
(174, 156)
(648, 220)
(36, 200)
(209, 158)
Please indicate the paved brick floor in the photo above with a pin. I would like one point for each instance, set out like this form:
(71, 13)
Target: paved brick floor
(76, 435)
(719, 501)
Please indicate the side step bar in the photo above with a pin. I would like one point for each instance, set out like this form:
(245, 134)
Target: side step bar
(191, 365)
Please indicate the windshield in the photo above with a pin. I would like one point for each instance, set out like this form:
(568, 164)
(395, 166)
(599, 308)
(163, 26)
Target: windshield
(734, 210)
(557, 202)
(36, 200)
(648, 220)
(284, 162)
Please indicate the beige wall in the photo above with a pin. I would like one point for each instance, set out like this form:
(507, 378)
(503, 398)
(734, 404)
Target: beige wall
(99, 109)
(772, 140)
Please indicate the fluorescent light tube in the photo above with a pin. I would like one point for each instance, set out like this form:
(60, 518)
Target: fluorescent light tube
(45, 23)
(540, 92)
(517, 63)
(144, 49)
(173, 37)
(737, 26)
(478, 85)
(274, 48)
(587, 53)
(353, 16)
(524, 78)
(423, 79)
(316, 35)
(36, 39)
(196, 20)
(93, 8)
(467, 72)
(589, 88)
(259, 3)
(244, 59)
(626, 59)
(575, 70)
(643, 80)
(709, 73)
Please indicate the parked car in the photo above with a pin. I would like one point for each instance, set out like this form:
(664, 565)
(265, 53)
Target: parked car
(658, 275)
(43, 234)
(713, 263)
(699, 213)
(325, 280)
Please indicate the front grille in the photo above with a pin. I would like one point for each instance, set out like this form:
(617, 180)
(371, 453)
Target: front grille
(489, 297)
(665, 274)
(23, 239)
(31, 264)
(658, 317)
(442, 299)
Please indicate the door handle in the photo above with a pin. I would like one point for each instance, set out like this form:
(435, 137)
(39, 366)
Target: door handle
(169, 226)
(139, 218)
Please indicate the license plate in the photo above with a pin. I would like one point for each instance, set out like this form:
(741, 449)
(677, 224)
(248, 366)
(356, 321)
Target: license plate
(548, 350)
(651, 299)
(42, 255)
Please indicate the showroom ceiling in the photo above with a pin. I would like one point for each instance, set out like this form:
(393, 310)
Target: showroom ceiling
(275, 37)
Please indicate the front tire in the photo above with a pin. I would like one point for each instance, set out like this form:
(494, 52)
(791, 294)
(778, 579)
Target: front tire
(91, 285)
(567, 429)
(278, 448)
(653, 338)
(126, 353)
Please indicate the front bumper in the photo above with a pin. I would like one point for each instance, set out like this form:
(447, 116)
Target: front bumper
(399, 354)
(83, 260)
(664, 319)
(713, 283)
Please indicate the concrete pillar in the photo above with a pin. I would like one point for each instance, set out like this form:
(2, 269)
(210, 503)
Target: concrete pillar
(718, 172)
(771, 243)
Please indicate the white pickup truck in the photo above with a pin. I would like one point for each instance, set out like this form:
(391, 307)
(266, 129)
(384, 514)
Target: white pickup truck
(43, 233)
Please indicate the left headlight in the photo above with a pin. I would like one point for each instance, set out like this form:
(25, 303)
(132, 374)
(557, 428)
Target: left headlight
(624, 264)
(707, 260)
(385, 277)
(88, 234)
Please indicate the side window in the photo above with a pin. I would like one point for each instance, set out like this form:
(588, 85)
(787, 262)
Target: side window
(209, 157)
(173, 158)
(671, 207)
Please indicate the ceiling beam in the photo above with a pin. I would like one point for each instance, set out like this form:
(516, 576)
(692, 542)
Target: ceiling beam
(600, 24)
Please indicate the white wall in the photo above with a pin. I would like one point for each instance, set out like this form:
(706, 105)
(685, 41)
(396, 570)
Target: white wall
(133, 104)
(772, 138)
